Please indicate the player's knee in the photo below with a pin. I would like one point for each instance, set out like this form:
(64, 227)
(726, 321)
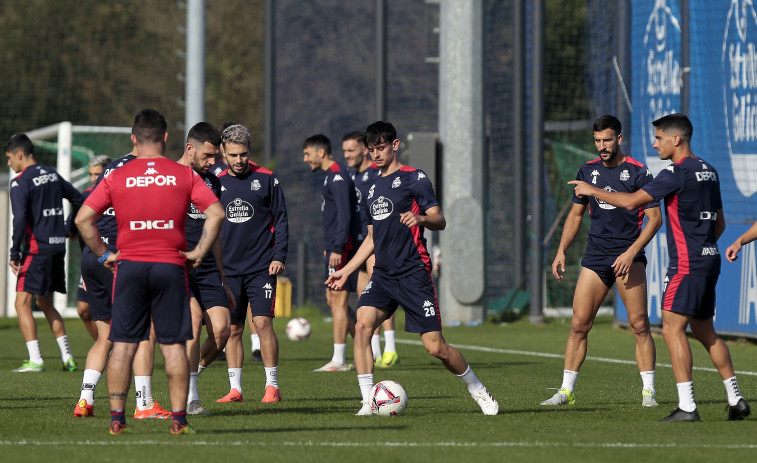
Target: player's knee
(639, 327)
(363, 330)
(438, 350)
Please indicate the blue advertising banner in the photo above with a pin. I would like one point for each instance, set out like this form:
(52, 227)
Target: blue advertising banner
(723, 109)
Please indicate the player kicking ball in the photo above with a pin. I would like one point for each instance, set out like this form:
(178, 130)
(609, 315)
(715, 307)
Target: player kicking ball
(401, 204)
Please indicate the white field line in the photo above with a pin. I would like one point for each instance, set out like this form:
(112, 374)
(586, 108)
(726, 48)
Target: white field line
(560, 356)
(378, 444)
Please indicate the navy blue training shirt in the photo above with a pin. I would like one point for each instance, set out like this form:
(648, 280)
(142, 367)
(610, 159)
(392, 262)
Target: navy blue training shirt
(255, 229)
(613, 229)
(39, 226)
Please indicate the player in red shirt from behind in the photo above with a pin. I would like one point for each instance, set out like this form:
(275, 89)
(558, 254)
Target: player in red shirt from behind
(151, 197)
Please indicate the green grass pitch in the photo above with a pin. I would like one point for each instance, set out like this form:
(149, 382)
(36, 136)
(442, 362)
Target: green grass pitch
(316, 422)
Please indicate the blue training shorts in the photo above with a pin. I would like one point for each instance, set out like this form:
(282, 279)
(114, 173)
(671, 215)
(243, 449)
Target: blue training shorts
(208, 289)
(414, 292)
(692, 295)
(258, 290)
(42, 274)
(150, 290)
(602, 266)
(99, 282)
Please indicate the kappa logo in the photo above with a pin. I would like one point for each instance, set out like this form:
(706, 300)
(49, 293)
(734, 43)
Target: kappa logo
(624, 175)
(428, 308)
(594, 176)
(704, 166)
(42, 171)
(649, 173)
(338, 178)
(396, 183)
(421, 175)
(275, 181)
(325, 181)
(370, 192)
(671, 168)
(208, 183)
(150, 171)
(365, 176)
(267, 286)
(14, 183)
(223, 188)
(255, 185)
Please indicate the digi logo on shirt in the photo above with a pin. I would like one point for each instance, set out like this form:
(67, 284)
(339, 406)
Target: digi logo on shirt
(151, 224)
(239, 211)
(381, 208)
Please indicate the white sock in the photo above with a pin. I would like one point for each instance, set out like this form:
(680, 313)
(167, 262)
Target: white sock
(376, 346)
(235, 379)
(470, 379)
(732, 388)
(272, 376)
(193, 394)
(339, 356)
(647, 380)
(255, 341)
(569, 380)
(389, 341)
(143, 385)
(35, 356)
(366, 384)
(88, 385)
(200, 368)
(686, 396)
(65, 352)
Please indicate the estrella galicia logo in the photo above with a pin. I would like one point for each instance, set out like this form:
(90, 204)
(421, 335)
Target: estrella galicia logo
(603, 204)
(661, 75)
(739, 58)
(239, 211)
(381, 208)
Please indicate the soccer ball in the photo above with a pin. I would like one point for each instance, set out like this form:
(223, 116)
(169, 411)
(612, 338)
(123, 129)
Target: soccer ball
(298, 328)
(388, 398)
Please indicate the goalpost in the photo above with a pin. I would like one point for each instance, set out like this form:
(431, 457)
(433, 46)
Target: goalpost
(68, 148)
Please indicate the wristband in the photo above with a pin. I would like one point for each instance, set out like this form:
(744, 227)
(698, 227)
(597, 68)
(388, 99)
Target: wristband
(104, 257)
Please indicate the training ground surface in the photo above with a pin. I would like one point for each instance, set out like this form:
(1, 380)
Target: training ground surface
(316, 422)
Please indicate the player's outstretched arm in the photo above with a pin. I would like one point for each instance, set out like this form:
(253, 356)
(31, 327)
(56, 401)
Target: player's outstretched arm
(214, 215)
(628, 201)
(732, 253)
(569, 231)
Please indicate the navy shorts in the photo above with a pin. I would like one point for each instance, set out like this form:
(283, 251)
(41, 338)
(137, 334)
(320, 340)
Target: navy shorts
(208, 289)
(602, 266)
(692, 295)
(414, 292)
(351, 283)
(81, 292)
(258, 290)
(41, 275)
(145, 291)
(99, 282)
